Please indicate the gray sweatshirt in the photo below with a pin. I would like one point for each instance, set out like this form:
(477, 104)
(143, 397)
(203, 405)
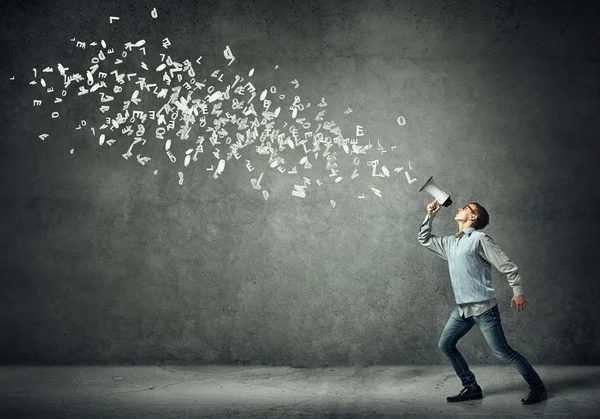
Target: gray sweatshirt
(469, 261)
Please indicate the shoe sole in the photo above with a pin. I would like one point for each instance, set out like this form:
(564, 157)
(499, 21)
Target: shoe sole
(544, 397)
(479, 396)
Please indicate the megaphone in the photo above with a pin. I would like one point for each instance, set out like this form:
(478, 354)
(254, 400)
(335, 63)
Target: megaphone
(432, 189)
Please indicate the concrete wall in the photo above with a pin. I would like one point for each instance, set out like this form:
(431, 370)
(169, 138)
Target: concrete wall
(104, 261)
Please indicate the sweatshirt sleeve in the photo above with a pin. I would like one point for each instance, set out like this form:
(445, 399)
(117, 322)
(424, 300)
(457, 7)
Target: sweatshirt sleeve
(493, 254)
(436, 244)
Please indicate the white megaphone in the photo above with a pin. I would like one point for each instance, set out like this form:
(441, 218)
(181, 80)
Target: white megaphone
(432, 189)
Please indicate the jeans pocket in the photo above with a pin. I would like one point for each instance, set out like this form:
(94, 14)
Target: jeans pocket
(490, 312)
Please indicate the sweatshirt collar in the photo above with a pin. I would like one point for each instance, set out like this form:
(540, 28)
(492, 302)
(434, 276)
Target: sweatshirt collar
(468, 231)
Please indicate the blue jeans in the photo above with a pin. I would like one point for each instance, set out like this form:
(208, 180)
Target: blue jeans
(491, 327)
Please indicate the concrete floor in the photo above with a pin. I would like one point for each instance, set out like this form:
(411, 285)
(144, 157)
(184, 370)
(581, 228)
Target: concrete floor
(174, 391)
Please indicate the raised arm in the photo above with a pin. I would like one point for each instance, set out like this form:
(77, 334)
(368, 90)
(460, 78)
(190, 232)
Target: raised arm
(437, 245)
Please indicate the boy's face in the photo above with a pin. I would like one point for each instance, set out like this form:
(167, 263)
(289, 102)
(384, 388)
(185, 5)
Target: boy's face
(466, 213)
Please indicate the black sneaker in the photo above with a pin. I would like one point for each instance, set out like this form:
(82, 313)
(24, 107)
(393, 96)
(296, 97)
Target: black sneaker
(467, 394)
(536, 395)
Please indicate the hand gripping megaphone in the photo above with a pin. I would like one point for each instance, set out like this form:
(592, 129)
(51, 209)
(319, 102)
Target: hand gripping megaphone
(432, 189)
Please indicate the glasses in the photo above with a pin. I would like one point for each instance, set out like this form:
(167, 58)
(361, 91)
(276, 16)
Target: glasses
(468, 206)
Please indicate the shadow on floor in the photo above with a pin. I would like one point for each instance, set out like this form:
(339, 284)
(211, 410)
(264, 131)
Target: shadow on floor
(574, 381)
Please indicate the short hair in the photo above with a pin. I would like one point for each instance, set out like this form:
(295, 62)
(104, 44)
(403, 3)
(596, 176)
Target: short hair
(483, 218)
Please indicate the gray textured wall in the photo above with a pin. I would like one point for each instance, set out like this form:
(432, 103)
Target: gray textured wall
(102, 261)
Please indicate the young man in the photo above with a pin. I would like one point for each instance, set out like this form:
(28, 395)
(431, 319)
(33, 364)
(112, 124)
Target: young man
(470, 255)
